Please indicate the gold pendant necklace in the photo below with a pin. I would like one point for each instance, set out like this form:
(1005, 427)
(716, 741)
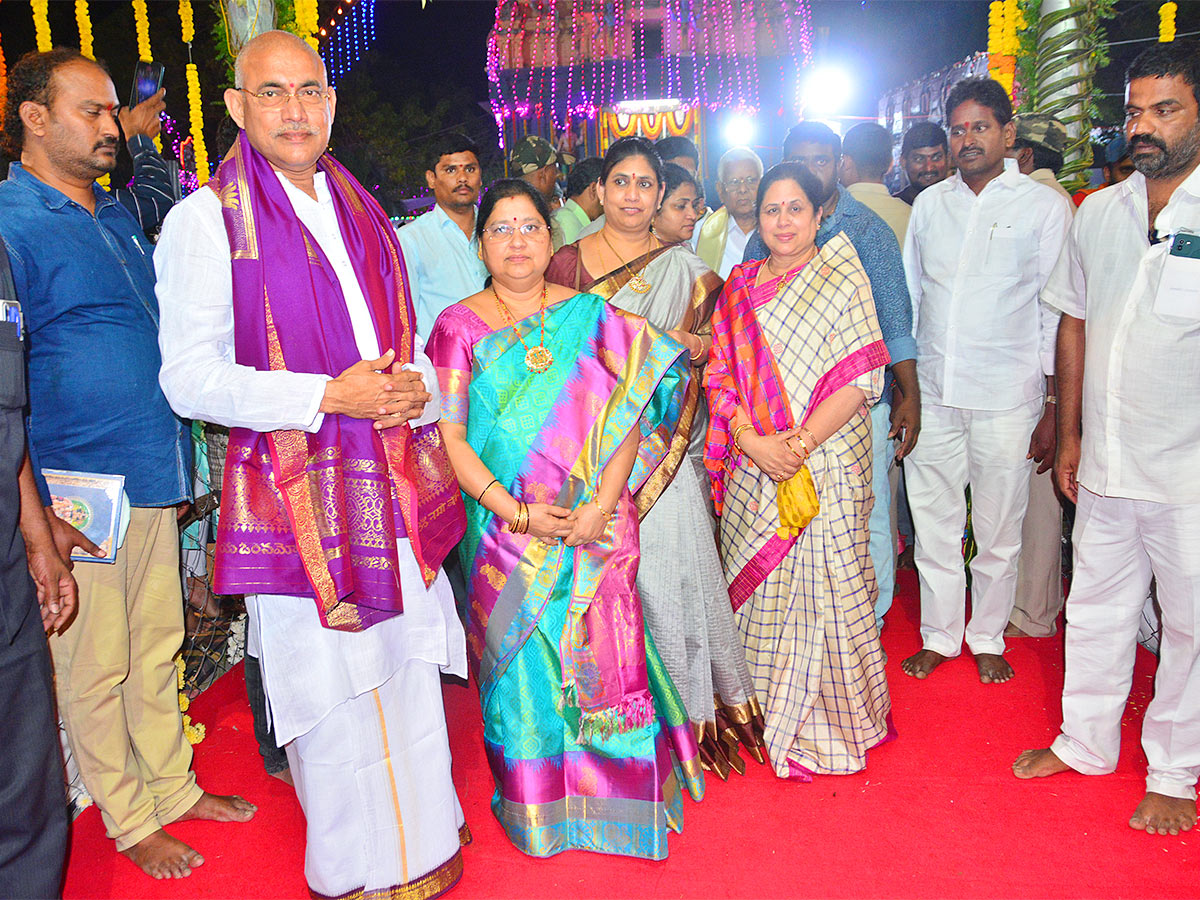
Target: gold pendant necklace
(637, 281)
(537, 359)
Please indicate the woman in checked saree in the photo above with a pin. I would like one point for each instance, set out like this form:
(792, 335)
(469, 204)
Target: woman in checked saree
(797, 358)
(684, 593)
(557, 410)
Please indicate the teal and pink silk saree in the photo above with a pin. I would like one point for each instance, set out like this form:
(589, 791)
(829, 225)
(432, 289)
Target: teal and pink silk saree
(587, 738)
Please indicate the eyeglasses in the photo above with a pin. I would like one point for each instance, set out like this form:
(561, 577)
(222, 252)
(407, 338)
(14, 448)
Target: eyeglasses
(277, 98)
(505, 231)
(735, 184)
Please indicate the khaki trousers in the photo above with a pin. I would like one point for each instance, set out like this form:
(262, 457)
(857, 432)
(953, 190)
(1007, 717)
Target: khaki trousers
(117, 685)
(1039, 597)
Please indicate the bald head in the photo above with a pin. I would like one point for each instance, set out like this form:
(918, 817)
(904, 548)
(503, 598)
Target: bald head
(272, 42)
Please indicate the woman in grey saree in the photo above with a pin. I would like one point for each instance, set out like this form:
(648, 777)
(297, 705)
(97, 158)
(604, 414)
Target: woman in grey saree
(685, 596)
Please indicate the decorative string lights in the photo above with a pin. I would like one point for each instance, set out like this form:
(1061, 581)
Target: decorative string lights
(1166, 22)
(348, 39)
(84, 21)
(709, 51)
(41, 24)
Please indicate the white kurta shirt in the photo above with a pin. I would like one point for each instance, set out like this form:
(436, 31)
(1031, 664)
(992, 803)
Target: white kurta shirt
(735, 246)
(1141, 375)
(975, 264)
(307, 669)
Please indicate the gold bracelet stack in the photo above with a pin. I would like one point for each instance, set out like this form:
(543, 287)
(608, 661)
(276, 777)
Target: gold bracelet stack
(520, 522)
(805, 433)
(737, 433)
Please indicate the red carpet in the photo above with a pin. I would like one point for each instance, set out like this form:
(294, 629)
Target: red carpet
(937, 813)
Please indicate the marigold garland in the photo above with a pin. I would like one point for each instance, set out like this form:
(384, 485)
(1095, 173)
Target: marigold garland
(41, 24)
(196, 117)
(1166, 22)
(3, 79)
(193, 731)
(141, 24)
(186, 21)
(307, 21)
(84, 21)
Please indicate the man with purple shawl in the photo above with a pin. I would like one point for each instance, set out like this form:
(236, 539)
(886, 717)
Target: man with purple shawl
(287, 316)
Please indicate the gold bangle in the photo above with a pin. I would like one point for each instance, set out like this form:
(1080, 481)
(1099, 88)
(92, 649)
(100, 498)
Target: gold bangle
(604, 512)
(483, 494)
(520, 521)
(524, 519)
(737, 433)
(1051, 399)
(804, 432)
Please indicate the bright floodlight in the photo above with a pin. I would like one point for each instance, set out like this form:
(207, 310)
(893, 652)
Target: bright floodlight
(739, 130)
(826, 90)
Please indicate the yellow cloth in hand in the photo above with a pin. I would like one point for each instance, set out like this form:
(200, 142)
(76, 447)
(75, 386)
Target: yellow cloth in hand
(798, 504)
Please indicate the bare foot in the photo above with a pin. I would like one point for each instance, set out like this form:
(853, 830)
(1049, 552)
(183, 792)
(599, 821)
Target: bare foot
(905, 559)
(216, 808)
(1160, 814)
(992, 668)
(920, 664)
(161, 856)
(1012, 630)
(1038, 764)
(284, 775)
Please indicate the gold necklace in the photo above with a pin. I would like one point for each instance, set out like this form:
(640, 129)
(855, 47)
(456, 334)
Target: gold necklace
(637, 281)
(537, 359)
(784, 284)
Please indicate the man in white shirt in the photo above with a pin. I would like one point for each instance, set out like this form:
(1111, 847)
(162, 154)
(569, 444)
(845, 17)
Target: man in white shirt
(724, 234)
(323, 526)
(866, 161)
(980, 247)
(440, 249)
(1129, 444)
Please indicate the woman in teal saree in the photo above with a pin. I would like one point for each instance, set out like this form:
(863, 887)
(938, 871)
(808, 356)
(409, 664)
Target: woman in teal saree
(556, 409)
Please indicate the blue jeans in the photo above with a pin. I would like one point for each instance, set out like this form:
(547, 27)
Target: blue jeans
(883, 542)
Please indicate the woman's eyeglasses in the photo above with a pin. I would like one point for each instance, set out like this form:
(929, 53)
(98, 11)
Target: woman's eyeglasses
(505, 231)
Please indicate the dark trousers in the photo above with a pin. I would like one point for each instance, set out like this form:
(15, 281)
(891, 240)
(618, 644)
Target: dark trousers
(33, 802)
(274, 758)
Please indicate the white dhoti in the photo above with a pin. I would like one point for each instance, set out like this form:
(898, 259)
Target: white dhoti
(1118, 545)
(360, 715)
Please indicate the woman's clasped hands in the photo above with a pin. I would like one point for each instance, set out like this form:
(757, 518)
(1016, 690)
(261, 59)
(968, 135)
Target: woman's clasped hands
(778, 455)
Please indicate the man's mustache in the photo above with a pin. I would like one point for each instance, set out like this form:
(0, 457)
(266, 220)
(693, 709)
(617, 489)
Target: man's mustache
(105, 142)
(301, 127)
(1150, 141)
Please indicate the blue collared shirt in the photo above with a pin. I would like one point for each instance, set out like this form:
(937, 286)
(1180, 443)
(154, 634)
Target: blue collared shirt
(877, 248)
(443, 265)
(86, 286)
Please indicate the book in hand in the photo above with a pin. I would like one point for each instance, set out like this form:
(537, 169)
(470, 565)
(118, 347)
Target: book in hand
(92, 503)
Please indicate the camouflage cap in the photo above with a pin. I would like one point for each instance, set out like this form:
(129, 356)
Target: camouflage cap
(530, 154)
(1041, 129)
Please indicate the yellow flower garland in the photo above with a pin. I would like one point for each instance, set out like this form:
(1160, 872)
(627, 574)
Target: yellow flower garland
(196, 116)
(41, 24)
(3, 79)
(186, 22)
(1166, 22)
(193, 731)
(141, 24)
(85, 28)
(195, 108)
(307, 21)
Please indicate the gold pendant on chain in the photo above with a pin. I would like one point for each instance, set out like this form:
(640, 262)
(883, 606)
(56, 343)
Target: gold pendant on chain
(638, 284)
(538, 359)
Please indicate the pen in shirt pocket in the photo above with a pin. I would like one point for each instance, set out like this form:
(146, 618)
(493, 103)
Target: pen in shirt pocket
(987, 252)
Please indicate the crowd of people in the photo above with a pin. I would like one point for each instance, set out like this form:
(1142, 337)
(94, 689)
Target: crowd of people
(640, 466)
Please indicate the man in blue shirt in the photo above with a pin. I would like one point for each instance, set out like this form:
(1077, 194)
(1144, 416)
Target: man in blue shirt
(82, 271)
(897, 415)
(441, 253)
